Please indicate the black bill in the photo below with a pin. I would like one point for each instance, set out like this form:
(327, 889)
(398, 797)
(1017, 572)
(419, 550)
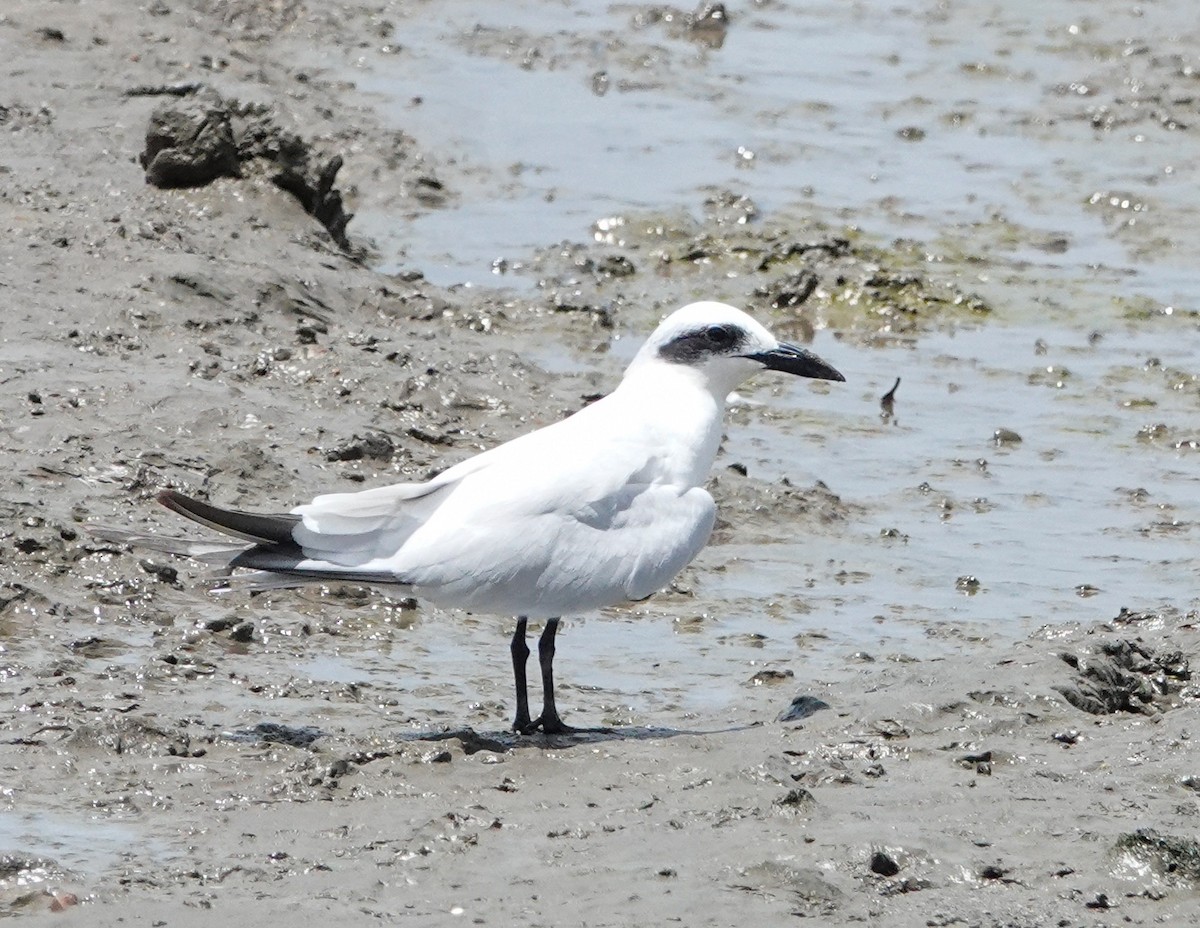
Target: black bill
(792, 359)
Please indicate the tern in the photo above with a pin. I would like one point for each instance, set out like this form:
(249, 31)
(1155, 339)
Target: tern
(601, 508)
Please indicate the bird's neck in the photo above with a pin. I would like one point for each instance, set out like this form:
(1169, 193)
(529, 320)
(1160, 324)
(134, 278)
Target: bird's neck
(679, 417)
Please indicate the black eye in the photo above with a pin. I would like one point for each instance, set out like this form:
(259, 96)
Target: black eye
(721, 335)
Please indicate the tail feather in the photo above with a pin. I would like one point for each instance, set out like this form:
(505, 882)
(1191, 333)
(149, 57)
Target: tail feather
(256, 581)
(272, 558)
(215, 552)
(284, 578)
(291, 561)
(263, 529)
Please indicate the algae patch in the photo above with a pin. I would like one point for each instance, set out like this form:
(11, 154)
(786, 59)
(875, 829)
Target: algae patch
(811, 275)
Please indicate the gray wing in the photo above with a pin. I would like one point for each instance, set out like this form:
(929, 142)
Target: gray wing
(623, 546)
(643, 537)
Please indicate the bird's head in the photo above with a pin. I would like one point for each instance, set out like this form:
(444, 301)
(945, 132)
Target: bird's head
(724, 346)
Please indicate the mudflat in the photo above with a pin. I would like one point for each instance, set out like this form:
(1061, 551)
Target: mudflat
(169, 756)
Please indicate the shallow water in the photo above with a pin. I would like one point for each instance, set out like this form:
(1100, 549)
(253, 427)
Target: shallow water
(80, 844)
(1083, 516)
(972, 125)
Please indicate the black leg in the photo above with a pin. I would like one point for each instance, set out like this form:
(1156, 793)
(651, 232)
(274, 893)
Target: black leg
(520, 654)
(549, 722)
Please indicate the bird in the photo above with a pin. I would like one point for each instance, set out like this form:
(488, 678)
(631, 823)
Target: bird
(601, 508)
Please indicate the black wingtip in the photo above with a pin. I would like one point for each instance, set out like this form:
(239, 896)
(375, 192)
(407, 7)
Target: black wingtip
(264, 529)
(172, 500)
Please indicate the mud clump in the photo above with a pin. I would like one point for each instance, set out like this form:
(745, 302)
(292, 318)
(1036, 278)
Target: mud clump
(1174, 860)
(808, 891)
(189, 142)
(774, 504)
(791, 290)
(796, 800)
(707, 25)
(26, 882)
(296, 736)
(1127, 676)
(883, 864)
(375, 446)
(801, 708)
(18, 864)
(127, 734)
(197, 136)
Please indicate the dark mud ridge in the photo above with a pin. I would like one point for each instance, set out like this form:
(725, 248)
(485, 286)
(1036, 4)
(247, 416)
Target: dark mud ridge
(196, 136)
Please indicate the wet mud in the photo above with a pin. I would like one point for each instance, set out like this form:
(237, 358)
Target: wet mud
(834, 714)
